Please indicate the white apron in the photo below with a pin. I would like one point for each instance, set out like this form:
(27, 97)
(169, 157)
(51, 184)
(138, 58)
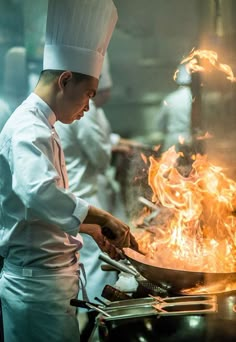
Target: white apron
(45, 296)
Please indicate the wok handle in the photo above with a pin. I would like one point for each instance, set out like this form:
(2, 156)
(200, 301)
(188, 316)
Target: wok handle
(117, 264)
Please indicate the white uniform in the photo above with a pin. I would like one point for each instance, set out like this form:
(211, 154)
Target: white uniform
(38, 215)
(175, 115)
(109, 189)
(40, 265)
(174, 118)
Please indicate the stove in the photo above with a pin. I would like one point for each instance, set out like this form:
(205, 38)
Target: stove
(199, 318)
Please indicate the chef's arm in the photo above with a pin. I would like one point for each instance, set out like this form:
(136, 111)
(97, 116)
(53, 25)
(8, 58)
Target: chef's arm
(97, 216)
(128, 145)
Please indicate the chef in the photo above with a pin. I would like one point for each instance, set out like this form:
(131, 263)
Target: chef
(87, 151)
(174, 117)
(109, 191)
(40, 218)
(87, 147)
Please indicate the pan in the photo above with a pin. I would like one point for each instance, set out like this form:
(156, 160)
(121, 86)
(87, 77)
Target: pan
(179, 281)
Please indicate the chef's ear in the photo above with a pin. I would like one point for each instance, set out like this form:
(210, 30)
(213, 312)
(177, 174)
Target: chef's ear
(64, 78)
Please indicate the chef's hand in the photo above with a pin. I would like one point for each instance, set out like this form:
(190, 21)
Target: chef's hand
(116, 231)
(103, 243)
(120, 238)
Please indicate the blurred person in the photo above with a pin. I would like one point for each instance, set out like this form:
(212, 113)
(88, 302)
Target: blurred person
(87, 155)
(109, 190)
(174, 118)
(41, 219)
(87, 146)
(15, 82)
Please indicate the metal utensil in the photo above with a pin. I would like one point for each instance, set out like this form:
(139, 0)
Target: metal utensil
(170, 306)
(96, 308)
(88, 305)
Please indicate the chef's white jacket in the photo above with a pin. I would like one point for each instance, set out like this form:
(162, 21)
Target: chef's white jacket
(38, 217)
(38, 213)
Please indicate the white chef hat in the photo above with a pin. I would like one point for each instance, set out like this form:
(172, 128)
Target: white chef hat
(77, 35)
(105, 80)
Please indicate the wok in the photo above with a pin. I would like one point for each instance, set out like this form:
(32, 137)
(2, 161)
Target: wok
(179, 281)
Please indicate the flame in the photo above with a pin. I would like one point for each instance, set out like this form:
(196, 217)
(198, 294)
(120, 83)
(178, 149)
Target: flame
(195, 228)
(212, 58)
(199, 232)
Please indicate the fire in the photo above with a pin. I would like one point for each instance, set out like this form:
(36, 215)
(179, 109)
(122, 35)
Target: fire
(194, 224)
(195, 228)
(208, 56)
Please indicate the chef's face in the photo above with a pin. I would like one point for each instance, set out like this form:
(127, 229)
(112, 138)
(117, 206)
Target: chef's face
(73, 99)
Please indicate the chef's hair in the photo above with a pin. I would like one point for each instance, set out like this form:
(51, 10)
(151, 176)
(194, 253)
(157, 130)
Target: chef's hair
(47, 76)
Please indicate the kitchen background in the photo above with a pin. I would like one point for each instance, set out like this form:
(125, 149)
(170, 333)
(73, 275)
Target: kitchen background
(150, 40)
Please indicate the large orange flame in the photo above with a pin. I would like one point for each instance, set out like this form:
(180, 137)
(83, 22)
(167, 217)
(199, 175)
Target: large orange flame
(200, 232)
(195, 228)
